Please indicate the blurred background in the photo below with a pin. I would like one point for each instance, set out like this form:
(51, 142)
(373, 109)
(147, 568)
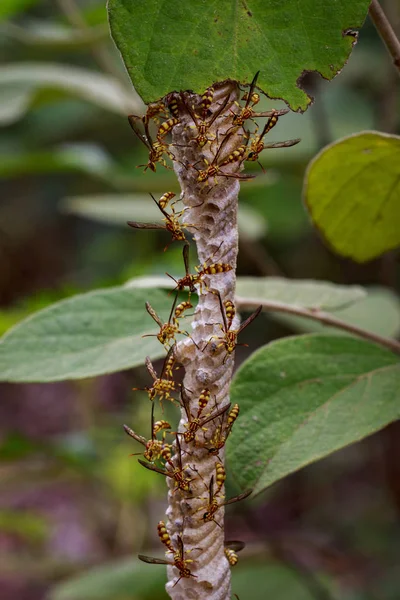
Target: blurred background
(74, 507)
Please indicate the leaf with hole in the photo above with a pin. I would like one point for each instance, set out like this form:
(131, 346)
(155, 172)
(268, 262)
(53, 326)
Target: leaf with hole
(190, 45)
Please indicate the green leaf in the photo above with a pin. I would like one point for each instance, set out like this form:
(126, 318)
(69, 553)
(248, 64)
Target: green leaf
(378, 312)
(26, 81)
(26, 525)
(9, 8)
(302, 398)
(126, 578)
(87, 335)
(352, 192)
(118, 209)
(190, 45)
(304, 293)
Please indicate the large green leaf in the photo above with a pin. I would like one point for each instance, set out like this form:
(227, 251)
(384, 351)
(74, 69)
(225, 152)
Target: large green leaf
(25, 82)
(316, 295)
(352, 192)
(304, 397)
(126, 578)
(170, 46)
(87, 335)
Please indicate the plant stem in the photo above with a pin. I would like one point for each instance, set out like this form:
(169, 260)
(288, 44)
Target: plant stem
(212, 210)
(386, 32)
(322, 317)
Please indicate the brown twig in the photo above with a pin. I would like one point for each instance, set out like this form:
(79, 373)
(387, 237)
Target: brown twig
(322, 317)
(386, 32)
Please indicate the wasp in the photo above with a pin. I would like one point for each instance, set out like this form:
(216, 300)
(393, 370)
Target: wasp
(164, 385)
(213, 169)
(216, 443)
(196, 422)
(154, 109)
(247, 111)
(191, 280)
(231, 548)
(214, 505)
(181, 481)
(171, 328)
(171, 220)
(154, 448)
(203, 125)
(178, 559)
(257, 145)
(166, 127)
(156, 149)
(229, 337)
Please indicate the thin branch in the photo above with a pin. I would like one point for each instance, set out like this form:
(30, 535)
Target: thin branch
(322, 317)
(386, 32)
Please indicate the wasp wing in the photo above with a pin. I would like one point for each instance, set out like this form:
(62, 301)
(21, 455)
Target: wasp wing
(154, 561)
(237, 498)
(249, 319)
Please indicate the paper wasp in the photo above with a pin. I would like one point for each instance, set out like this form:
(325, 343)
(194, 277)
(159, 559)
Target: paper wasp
(178, 559)
(154, 448)
(213, 169)
(203, 125)
(171, 328)
(171, 220)
(213, 505)
(164, 385)
(156, 149)
(195, 423)
(191, 280)
(154, 109)
(247, 111)
(216, 443)
(166, 127)
(177, 473)
(257, 145)
(231, 548)
(229, 337)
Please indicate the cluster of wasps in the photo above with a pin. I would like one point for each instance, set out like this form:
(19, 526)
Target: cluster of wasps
(170, 110)
(162, 452)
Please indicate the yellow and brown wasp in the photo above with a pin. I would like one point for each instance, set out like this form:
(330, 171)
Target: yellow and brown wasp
(201, 124)
(178, 474)
(213, 169)
(229, 337)
(257, 145)
(164, 385)
(171, 220)
(156, 149)
(154, 448)
(166, 127)
(214, 505)
(218, 441)
(171, 328)
(194, 423)
(178, 559)
(231, 548)
(191, 280)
